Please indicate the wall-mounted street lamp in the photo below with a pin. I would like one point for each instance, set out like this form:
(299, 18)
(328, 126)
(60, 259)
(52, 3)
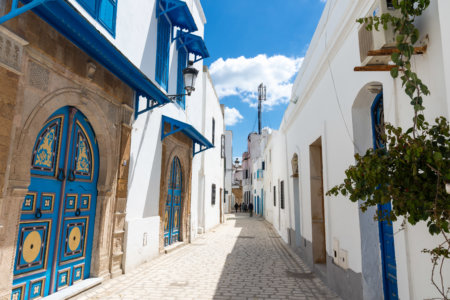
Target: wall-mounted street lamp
(189, 76)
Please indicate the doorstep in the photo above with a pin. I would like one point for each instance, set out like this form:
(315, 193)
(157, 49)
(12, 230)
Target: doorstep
(75, 289)
(174, 247)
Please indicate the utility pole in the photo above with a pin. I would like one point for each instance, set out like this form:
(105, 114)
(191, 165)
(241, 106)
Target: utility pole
(261, 98)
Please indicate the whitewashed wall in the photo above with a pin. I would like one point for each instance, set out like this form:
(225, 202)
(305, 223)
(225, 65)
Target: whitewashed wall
(210, 164)
(136, 32)
(136, 38)
(275, 173)
(228, 170)
(330, 97)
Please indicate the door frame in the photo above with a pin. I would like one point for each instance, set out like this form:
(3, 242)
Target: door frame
(19, 178)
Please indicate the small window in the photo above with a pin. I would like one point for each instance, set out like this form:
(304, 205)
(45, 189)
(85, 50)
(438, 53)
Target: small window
(162, 52)
(390, 5)
(213, 130)
(223, 146)
(103, 11)
(274, 196)
(213, 194)
(263, 165)
(282, 194)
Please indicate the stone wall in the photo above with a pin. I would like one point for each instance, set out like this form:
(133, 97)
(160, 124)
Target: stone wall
(41, 72)
(181, 146)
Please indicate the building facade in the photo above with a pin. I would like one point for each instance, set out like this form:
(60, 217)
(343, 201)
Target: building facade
(97, 159)
(329, 120)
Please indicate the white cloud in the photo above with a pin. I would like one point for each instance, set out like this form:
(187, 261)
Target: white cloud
(232, 116)
(241, 77)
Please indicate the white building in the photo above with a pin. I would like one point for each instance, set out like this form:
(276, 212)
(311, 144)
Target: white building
(228, 201)
(329, 120)
(257, 143)
(148, 171)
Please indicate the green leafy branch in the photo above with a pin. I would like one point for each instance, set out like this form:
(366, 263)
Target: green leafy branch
(412, 171)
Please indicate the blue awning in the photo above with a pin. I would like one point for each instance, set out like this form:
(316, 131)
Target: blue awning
(194, 44)
(178, 126)
(178, 13)
(69, 22)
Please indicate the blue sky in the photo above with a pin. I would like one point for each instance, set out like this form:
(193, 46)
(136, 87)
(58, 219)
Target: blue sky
(254, 41)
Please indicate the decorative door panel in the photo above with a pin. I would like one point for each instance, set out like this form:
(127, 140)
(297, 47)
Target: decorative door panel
(45, 160)
(77, 225)
(172, 214)
(44, 207)
(389, 266)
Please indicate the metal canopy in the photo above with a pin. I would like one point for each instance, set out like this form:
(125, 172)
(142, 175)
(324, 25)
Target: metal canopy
(178, 13)
(69, 22)
(194, 45)
(178, 126)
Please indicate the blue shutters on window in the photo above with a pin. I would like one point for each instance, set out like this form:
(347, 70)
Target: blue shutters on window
(182, 59)
(104, 11)
(162, 52)
(107, 14)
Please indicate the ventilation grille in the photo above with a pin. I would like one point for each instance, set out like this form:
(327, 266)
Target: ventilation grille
(38, 76)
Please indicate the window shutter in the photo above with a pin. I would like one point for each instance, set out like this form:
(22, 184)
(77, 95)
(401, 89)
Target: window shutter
(182, 62)
(162, 52)
(213, 194)
(107, 14)
(213, 130)
(274, 196)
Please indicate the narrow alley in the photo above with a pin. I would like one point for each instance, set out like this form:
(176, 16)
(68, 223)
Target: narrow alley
(244, 258)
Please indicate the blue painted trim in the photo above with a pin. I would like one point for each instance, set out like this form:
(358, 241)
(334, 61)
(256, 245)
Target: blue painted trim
(194, 44)
(62, 16)
(178, 126)
(16, 11)
(390, 289)
(178, 13)
(372, 108)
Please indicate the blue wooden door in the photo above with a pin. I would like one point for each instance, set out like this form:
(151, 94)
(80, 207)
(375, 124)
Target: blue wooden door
(389, 266)
(172, 214)
(57, 219)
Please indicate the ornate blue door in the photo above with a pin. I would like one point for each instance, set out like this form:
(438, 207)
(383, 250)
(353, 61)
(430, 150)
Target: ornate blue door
(389, 266)
(172, 214)
(57, 220)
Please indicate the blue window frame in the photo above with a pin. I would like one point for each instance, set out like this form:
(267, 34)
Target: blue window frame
(104, 11)
(162, 52)
(182, 62)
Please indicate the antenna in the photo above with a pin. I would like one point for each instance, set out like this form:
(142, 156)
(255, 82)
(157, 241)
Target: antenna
(261, 98)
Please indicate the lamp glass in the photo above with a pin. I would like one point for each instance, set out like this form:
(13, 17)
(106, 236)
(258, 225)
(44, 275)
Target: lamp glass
(189, 77)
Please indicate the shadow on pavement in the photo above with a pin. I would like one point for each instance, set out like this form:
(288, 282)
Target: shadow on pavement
(261, 267)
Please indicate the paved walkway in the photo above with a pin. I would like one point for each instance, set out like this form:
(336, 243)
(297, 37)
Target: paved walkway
(241, 259)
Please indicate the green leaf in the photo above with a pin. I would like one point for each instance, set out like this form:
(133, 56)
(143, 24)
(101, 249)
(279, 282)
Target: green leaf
(394, 72)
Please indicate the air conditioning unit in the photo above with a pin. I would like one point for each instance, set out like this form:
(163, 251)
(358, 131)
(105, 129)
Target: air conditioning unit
(375, 40)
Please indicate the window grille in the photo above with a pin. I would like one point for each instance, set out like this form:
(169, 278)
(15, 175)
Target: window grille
(282, 194)
(274, 196)
(213, 194)
(162, 52)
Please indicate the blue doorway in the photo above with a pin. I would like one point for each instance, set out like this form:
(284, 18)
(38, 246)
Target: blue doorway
(389, 266)
(56, 226)
(172, 214)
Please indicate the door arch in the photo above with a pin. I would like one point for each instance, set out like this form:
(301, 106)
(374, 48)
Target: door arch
(56, 225)
(173, 205)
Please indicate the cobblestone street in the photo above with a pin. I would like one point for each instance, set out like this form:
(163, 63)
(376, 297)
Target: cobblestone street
(241, 259)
